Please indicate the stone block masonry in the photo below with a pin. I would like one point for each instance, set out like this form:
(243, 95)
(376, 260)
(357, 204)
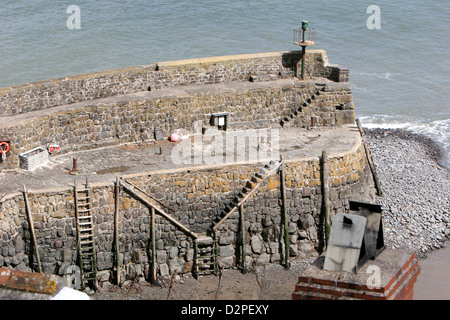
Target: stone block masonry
(62, 91)
(126, 106)
(198, 198)
(133, 118)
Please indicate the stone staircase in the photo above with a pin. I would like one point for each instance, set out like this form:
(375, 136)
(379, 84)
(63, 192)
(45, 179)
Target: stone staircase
(250, 187)
(254, 182)
(289, 121)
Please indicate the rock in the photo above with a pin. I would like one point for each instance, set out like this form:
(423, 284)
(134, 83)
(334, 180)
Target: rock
(19, 244)
(130, 271)
(293, 249)
(263, 259)
(176, 265)
(275, 258)
(173, 252)
(189, 255)
(306, 221)
(256, 244)
(414, 189)
(67, 255)
(159, 244)
(226, 251)
(161, 256)
(103, 275)
(163, 270)
(305, 245)
(226, 262)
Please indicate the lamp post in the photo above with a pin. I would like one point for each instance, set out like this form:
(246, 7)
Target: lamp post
(304, 27)
(303, 41)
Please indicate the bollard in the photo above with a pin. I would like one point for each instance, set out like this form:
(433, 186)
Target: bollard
(74, 169)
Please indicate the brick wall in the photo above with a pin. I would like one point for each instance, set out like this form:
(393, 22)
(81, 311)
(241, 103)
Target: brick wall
(398, 272)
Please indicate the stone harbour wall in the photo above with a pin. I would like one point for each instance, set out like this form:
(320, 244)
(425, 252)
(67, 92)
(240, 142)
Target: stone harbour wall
(45, 94)
(134, 119)
(198, 198)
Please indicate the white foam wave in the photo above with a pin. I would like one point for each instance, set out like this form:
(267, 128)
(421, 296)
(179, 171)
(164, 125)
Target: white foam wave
(438, 130)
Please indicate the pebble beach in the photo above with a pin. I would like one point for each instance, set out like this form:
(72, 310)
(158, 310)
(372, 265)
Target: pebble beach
(416, 190)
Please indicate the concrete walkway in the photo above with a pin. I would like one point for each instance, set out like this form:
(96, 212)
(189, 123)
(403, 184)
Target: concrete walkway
(192, 153)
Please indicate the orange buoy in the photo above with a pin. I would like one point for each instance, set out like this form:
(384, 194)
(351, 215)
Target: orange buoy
(4, 149)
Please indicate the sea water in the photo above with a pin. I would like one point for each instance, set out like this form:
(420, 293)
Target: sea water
(399, 65)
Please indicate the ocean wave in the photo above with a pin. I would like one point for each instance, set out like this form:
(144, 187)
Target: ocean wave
(437, 130)
(377, 75)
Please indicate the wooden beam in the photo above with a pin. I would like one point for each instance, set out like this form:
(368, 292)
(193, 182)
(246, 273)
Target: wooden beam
(152, 197)
(116, 229)
(361, 130)
(373, 169)
(325, 195)
(287, 259)
(369, 159)
(131, 189)
(30, 221)
(153, 245)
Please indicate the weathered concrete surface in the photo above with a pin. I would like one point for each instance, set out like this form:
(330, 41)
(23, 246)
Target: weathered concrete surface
(103, 165)
(345, 243)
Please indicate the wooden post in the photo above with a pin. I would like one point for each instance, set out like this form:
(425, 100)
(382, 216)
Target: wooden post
(116, 229)
(373, 169)
(369, 158)
(196, 259)
(241, 218)
(153, 245)
(360, 129)
(285, 218)
(216, 251)
(30, 221)
(325, 195)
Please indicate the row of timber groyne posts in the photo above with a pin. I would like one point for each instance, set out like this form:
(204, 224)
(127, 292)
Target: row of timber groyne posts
(238, 205)
(176, 216)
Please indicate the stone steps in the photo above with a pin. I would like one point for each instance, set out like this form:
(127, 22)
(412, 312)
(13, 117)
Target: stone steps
(251, 185)
(287, 121)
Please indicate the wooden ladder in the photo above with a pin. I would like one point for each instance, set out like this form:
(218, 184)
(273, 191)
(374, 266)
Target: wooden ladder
(206, 253)
(85, 236)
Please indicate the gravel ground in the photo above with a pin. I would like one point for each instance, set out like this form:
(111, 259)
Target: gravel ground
(416, 190)
(416, 196)
(272, 282)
